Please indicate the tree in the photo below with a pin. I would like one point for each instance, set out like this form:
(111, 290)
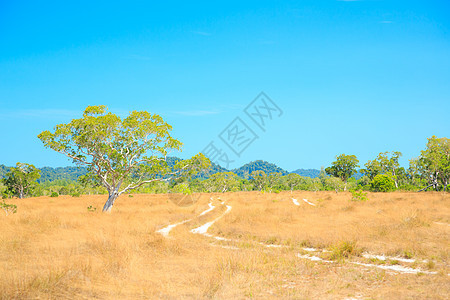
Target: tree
(434, 162)
(416, 173)
(292, 181)
(21, 179)
(344, 167)
(127, 152)
(258, 179)
(383, 183)
(373, 168)
(274, 181)
(223, 182)
(386, 162)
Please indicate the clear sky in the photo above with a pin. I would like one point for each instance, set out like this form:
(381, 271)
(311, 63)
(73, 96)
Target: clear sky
(354, 77)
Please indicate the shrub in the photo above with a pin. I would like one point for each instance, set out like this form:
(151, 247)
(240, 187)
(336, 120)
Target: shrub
(54, 194)
(359, 196)
(75, 194)
(8, 208)
(383, 183)
(343, 250)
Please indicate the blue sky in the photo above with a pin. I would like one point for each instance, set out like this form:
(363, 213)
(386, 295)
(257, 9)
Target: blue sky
(354, 77)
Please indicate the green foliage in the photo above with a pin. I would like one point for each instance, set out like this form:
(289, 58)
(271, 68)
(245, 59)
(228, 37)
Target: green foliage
(222, 182)
(21, 180)
(90, 208)
(54, 194)
(292, 181)
(385, 163)
(3, 170)
(68, 173)
(259, 180)
(182, 188)
(75, 194)
(344, 167)
(259, 165)
(358, 195)
(383, 183)
(130, 151)
(434, 162)
(8, 208)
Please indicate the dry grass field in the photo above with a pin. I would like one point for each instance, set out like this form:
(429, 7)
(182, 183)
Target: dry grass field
(262, 246)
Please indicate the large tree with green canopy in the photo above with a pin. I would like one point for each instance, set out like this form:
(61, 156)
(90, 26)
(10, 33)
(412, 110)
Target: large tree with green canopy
(434, 162)
(124, 154)
(20, 180)
(385, 163)
(344, 167)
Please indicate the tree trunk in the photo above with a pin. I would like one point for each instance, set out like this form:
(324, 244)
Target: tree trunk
(109, 204)
(425, 188)
(21, 192)
(395, 179)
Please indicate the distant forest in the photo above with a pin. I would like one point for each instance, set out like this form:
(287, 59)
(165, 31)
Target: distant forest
(73, 173)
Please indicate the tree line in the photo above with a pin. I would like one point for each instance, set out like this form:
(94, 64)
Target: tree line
(131, 155)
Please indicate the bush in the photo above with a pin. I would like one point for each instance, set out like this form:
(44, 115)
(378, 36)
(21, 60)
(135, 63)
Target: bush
(75, 194)
(383, 183)
(54, 194)
(343, 250)
(359, 196)
(410, 187)
(8, 208)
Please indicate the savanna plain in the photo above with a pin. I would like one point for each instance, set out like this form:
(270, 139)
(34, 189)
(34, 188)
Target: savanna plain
(299, 245)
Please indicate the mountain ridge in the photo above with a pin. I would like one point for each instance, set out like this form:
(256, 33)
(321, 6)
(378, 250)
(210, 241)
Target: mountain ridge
(72, 173)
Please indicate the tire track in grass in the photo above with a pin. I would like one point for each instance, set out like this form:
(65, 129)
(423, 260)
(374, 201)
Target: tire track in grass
(400, 269)
(298, 204)
(166, 230)
(203, 230)
(397, 268)
(211, 207)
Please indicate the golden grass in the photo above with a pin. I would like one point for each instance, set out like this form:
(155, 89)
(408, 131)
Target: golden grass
(56, 248)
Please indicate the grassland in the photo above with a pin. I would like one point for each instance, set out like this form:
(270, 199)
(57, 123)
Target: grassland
(263, 247)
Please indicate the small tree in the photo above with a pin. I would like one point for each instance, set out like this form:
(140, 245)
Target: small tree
(344, 167)
(274, 181)
(223, 182)
(385, 163)
(292, 181)
(21, 179)
(258, 179)
(383, 183)
(127, 152)
(435, 162)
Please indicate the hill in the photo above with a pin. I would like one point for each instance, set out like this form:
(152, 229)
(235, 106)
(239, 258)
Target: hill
(215, 168)
(258, 165)
(68, 173)
(3, 170)
(51, 174)
(312, 173)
